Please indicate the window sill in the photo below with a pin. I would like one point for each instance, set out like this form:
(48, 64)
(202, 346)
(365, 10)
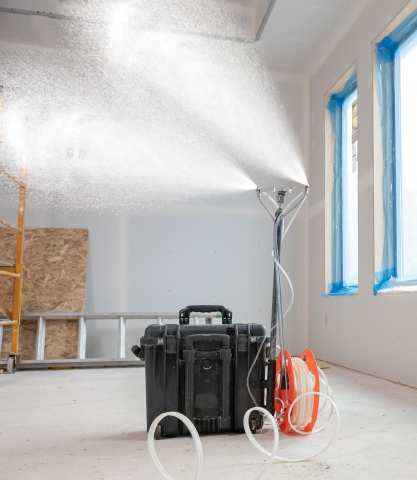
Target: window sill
(335, 295)
(412, 289)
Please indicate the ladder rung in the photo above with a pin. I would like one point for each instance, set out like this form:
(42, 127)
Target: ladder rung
(12, 322)
(9, 274)
(10, 225)
(2, 170)
(6, 264)
(5, 268)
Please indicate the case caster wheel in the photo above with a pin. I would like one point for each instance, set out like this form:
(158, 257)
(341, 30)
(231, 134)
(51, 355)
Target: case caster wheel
(11, 365)
(253, 426)
(158, 433)
(260, 423)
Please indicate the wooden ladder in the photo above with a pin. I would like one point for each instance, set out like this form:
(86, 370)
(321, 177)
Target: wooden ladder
(15, 270)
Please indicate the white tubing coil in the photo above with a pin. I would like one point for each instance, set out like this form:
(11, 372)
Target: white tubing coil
(302, 415)
(298, 460)
(194, 433)
(272, 455)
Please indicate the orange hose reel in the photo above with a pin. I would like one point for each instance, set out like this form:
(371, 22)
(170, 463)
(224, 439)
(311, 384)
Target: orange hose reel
(292, 394)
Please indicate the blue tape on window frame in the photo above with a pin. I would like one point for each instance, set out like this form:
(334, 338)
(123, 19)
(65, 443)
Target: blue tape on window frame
(340, 289)
(338, 286)
(388, 90)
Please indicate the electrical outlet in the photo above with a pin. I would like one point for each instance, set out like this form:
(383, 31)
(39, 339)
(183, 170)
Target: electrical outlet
(326, 321)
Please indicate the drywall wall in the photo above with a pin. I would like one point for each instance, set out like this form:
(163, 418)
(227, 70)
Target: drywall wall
(213, 251)
(375, 335)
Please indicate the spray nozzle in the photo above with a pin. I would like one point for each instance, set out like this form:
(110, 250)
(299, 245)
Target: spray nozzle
(281, 196)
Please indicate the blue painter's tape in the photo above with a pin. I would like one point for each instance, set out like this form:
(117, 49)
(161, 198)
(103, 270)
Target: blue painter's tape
(388, 91)
(339, 285)
(384, 280)
(340, 289)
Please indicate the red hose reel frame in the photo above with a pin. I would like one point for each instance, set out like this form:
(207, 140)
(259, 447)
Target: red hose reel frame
(292, 394)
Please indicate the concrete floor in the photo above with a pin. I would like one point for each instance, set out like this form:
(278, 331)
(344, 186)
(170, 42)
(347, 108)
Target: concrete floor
(90, 424)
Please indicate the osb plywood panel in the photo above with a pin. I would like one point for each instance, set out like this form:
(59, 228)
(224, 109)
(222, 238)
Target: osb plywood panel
(54, 280)
(61, 339)
(27, 340)
(54, 269)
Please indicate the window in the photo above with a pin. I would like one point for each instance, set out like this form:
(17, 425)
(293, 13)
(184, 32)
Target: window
(406, 96)
(342, 189)
(350, 191)
(396, 85)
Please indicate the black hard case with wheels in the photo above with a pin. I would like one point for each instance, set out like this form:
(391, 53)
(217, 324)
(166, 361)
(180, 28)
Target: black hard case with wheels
(201, 371)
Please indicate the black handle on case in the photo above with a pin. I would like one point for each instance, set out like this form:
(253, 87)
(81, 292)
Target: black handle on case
(211, 337)
(185, 313)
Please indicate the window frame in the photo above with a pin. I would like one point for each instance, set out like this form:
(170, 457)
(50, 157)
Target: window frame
(330, 145)
(387, 233)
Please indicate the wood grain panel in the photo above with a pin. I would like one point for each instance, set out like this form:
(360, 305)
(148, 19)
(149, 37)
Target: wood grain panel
(54, 280)
(61, 339)
(55, 270)
(27, 340)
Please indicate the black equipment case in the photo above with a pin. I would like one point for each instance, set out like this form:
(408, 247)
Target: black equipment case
(201, 371)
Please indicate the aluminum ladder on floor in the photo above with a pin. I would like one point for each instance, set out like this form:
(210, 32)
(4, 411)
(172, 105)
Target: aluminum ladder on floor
(81, 361)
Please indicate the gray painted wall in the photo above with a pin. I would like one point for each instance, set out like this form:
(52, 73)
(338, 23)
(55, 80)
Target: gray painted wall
(220, 251)
(216, 251)
(375, 335)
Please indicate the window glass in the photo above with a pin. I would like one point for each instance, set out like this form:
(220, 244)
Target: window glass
(350, 190)
(406, 140)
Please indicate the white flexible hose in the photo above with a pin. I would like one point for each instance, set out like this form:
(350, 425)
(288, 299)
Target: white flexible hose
(289, 283)
(302, 415)
(298, 460)
(199, 448)
(270, 198)
(270, 331)
(293, 218)
(276, 204)
(194, 433)
(251, 438)
(283, 272)
(272, 455)
(303, 383)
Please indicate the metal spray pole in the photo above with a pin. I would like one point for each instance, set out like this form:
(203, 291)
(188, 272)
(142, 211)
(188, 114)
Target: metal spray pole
(277, 311)
(277, 317)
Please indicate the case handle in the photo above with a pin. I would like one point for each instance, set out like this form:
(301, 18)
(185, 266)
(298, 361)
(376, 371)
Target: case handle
(185, 313)
(211, 337)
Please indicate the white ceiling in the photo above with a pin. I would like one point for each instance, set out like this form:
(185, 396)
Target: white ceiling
(298, 31)
(232, 19)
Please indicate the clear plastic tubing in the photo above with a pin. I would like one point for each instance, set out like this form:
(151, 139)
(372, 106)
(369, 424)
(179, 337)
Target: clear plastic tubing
(302, 415)
(298, 460)
(252, 439)
(194, 433)
(272, 455)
